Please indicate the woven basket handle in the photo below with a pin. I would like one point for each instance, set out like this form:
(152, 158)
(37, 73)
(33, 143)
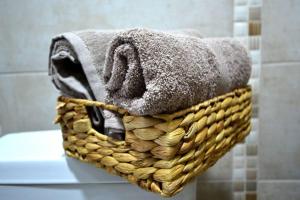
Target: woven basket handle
(87, 102)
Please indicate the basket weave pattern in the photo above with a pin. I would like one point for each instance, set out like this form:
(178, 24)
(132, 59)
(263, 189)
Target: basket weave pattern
(160, 153)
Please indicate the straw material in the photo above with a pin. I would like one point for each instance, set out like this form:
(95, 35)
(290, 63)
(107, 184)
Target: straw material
(160, 153)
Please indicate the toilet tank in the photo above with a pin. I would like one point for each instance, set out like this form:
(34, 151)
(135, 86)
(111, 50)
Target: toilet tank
(33, 166)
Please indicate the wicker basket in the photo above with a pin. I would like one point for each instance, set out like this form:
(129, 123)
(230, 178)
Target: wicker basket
(160, 153)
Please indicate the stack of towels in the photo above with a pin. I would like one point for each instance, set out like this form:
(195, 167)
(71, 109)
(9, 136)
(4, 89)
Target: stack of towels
(145, 71)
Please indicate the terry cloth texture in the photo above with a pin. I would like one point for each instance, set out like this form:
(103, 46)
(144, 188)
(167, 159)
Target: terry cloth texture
(76, 71)
(150, 72)
(146, 71)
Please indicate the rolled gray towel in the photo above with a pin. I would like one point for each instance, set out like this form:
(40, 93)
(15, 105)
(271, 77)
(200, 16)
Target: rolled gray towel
(146, 71)
(150, 72)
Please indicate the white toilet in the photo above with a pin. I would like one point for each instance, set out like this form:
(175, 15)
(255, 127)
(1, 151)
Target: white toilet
(33, 166)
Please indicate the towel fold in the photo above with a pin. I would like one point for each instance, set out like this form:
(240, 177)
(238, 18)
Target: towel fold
(145, 71)
(149, 72)
(74, 73)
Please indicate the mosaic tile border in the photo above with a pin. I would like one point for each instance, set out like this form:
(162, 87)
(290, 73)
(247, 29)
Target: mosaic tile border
(247, 28)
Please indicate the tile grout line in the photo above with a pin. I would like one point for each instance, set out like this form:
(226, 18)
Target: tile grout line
(282, 181)
(22, 73)
(281, 63)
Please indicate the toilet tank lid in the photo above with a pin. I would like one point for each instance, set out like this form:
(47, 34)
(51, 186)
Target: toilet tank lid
(38, 158)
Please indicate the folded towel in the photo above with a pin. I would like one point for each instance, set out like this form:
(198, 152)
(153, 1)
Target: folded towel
(146, 71)
(76, 63)
(73, 72)
(149, 72)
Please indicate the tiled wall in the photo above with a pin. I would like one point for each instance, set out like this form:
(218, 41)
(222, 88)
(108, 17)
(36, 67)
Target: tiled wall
(279, 138)
(247, 28)
(27, 96)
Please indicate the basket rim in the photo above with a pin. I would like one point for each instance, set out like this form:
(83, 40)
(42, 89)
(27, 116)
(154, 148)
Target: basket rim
(164, 116)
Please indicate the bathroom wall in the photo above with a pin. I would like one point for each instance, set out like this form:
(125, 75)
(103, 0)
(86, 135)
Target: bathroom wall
(27, 96)
(279, 105)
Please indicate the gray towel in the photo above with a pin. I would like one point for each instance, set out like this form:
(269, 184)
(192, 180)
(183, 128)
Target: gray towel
(75, 68)
(149, 72)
